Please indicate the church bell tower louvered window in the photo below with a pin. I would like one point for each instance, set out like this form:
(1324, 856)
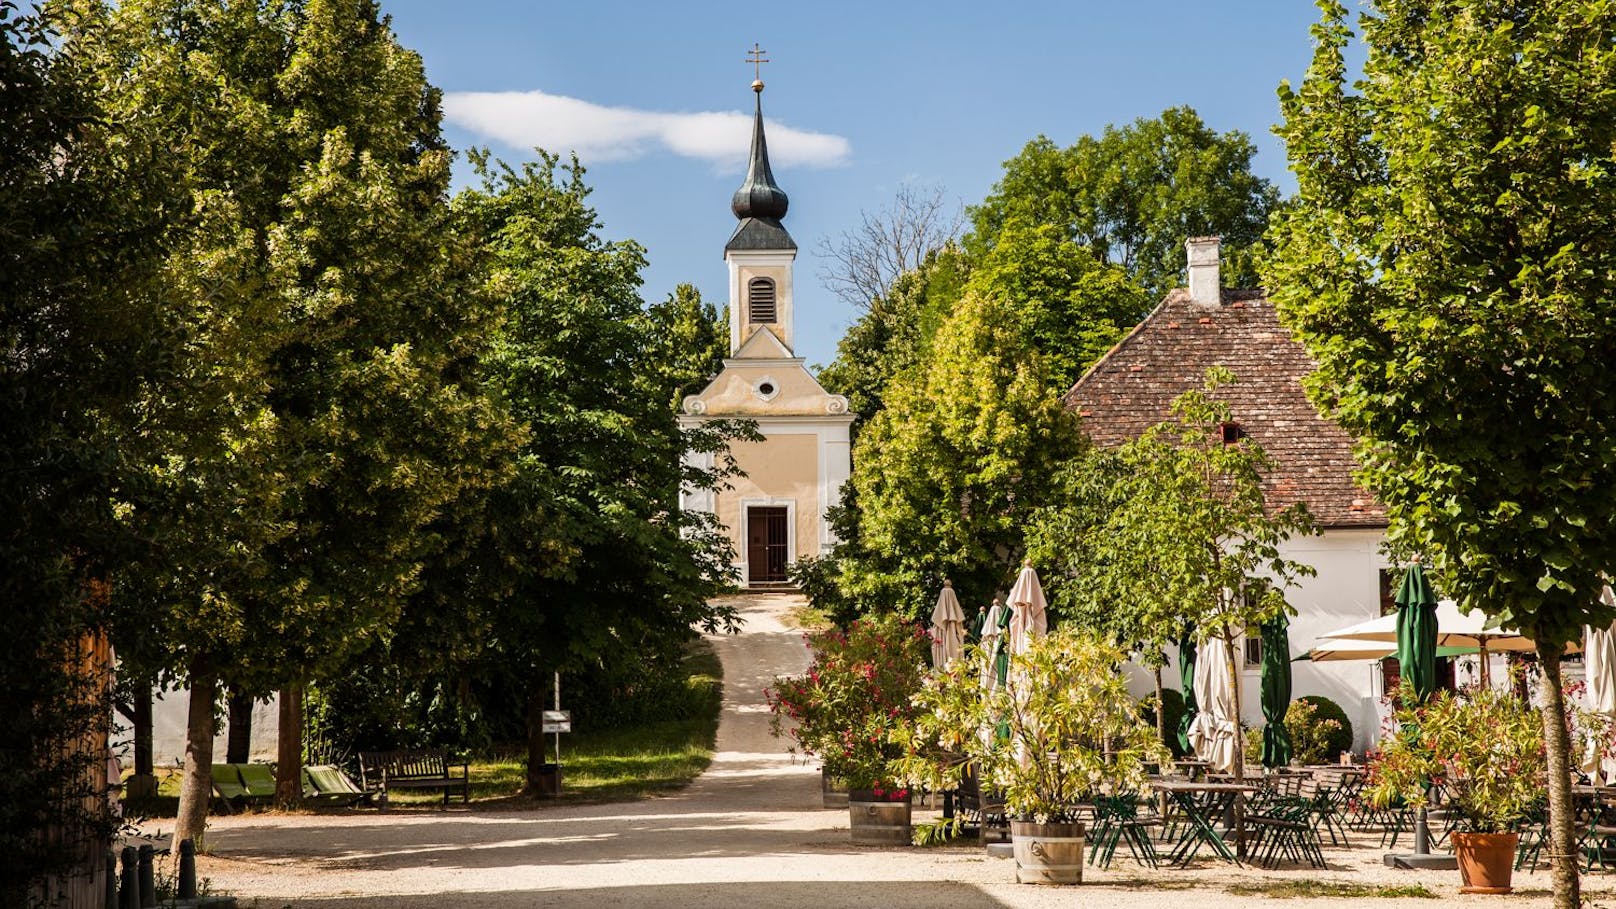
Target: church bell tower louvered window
(760, 308)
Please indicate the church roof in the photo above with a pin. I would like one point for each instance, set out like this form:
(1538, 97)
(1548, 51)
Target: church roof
(760, 203)
(1132, 387)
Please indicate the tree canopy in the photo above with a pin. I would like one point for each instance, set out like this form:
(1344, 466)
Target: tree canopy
(1449, 262)
(1134, 193)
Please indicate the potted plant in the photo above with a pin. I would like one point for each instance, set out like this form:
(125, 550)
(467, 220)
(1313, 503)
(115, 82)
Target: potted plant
(858, 687)
(1485, 749)
(1060, 730)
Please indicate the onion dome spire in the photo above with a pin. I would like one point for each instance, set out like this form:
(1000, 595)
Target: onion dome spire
(759, 196)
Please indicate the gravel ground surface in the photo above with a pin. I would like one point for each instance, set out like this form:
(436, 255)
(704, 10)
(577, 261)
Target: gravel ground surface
(748, 833)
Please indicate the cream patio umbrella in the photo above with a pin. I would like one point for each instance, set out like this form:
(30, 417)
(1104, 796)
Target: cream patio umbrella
(947, 628)
(1214, 734)
(1028, 618)
(1453, 629)
(991, 639)
(1599, 671)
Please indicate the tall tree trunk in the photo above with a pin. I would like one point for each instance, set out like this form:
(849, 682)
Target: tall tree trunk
(1557, 749)
(196, 786)
(143, 784)
(535, 741)
(289, 749)
(238, 727)
(1233, 666)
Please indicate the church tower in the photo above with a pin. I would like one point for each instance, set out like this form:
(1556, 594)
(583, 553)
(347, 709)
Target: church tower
(775, 514)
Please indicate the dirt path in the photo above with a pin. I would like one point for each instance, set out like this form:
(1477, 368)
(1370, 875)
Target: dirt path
(748, 833)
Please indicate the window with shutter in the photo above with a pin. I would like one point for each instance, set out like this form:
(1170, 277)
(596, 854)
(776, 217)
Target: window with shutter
(760, 300)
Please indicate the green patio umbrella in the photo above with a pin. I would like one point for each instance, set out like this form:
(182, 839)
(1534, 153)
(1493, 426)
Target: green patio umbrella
(1416, 632)
(1276, 690)
(1186, 687)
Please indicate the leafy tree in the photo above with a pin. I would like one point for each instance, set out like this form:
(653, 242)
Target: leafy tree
(78, 332)
(602, 564)
(691, 338)
(1134, 193)
(1171, 530)
(1449, 263)
(948, 475)
(296, 457)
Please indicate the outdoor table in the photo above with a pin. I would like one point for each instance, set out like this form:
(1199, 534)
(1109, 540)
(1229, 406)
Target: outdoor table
(1192, 768)
(1202, 804)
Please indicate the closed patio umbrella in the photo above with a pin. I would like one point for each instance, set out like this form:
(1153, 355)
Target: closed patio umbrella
(1215, 733)
(1416, 632)
(991, 636)
(1029, 618)
(1186, 687)
(1276, 690)
(1599, 670)
(947, 628)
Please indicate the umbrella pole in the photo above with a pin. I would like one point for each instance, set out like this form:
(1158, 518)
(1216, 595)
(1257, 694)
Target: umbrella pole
(1485, 674)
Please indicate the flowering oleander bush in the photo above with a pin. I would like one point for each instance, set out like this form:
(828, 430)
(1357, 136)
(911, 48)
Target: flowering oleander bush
(1062, 731)
(1485, 747)
(858, 687)
(1319, 733)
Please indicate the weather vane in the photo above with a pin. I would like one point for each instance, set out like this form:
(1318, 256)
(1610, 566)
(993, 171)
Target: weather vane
(756, 58)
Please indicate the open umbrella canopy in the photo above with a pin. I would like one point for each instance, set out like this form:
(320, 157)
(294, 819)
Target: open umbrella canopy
(947, 628)
(1454, 629)
(1329, 650)
(1276, 691)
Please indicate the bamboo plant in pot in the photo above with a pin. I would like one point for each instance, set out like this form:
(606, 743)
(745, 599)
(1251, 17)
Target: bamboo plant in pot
(859, 685)
(1058, 731)
(1484, 749)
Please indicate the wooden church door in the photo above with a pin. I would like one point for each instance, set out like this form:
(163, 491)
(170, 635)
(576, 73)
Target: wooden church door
(766, 544)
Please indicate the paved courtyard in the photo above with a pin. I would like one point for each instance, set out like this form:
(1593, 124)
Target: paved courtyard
(748, 833)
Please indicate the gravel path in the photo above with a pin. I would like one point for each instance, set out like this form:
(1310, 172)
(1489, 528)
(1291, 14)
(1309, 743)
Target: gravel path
(748, 833)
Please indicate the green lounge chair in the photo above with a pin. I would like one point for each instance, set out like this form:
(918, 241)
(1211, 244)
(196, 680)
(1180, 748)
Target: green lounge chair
(259, 780)
(324, 784)
(227, 783)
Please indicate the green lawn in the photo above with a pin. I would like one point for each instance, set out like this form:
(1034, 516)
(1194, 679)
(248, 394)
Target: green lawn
(599, 765)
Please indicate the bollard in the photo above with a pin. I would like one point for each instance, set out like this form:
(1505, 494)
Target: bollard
(148, 879)
(110, 901)
(187, 882)
(129, 881)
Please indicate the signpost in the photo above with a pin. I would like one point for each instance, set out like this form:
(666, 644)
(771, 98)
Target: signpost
(556, 722)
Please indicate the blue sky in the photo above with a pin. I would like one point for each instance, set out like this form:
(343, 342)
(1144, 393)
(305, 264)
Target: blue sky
(861, 97)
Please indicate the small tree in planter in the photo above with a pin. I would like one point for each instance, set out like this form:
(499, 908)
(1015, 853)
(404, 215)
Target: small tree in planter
(1486, 748)
(860, 685)
(1063, 730)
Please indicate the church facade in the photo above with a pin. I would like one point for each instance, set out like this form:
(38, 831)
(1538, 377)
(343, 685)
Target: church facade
(775, 513)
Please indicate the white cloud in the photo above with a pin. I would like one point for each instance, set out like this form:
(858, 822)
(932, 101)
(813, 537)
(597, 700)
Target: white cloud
(600, 133)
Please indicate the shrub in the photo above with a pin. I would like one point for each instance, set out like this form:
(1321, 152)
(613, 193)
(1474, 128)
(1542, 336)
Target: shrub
(1319, 729)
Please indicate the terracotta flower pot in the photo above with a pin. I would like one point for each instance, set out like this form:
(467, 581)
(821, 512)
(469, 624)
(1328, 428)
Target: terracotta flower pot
(1486, 861)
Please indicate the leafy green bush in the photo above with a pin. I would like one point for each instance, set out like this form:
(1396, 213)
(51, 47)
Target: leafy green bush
(1174, 705)
(1319, 729)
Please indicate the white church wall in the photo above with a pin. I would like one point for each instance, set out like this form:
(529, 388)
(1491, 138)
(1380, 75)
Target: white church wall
(169, 709)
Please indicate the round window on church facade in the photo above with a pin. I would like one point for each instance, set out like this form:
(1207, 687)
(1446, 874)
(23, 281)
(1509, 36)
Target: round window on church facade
(766, 389)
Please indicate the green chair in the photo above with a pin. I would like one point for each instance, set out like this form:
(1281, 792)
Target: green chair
(259, 781)
(324, 784)
(227, 784)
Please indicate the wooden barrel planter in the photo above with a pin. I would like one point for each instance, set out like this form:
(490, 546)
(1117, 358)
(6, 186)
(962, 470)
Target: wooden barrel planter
(878, 821)
(832, 792)
(1047, 853)
(1486, 861)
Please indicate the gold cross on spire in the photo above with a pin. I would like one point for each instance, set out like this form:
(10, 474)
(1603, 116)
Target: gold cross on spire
(756, 58)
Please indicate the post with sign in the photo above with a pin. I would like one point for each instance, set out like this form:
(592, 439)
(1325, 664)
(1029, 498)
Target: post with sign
(556, 722)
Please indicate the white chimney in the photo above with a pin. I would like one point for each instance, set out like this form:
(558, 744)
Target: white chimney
(1205, 286)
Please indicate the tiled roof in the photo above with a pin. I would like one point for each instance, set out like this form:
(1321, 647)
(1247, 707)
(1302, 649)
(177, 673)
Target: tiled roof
(1131, 388)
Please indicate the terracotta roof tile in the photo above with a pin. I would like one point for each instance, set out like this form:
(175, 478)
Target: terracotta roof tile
(1132, 386)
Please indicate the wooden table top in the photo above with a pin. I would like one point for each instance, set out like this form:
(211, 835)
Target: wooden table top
(1187, 786)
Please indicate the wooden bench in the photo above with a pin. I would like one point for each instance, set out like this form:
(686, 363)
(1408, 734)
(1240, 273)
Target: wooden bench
(389, 770)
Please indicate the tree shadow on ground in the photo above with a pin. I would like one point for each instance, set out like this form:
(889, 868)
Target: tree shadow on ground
(869, 894)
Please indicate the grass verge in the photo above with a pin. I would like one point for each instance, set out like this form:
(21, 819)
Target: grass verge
(598, 765)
